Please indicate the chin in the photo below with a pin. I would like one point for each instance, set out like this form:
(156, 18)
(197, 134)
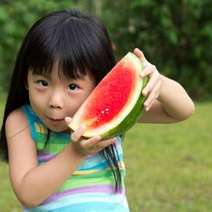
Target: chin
(57, 129)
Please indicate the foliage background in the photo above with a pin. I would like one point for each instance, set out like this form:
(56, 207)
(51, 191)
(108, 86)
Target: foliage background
(175, 161)
(176, 36)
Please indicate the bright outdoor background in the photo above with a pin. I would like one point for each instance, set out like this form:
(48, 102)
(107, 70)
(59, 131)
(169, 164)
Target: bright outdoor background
(169, 167)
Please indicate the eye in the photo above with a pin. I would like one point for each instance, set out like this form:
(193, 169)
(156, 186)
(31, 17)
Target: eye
(73, 87)
(42, 83)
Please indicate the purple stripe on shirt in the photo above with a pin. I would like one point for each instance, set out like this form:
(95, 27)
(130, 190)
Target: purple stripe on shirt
(45, 156)
(42, 156)
(86, 189)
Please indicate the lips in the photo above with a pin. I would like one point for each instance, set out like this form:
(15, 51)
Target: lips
(56, 119)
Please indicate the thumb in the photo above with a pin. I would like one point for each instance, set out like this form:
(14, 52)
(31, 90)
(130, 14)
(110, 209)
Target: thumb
(141, 56)
(68, 120)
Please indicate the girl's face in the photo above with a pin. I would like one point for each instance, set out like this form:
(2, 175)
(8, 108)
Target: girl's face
(53, 98)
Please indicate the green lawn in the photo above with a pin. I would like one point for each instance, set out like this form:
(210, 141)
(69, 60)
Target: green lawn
(169, 167)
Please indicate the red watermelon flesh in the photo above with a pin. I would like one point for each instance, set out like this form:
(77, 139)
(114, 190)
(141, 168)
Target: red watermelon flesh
(112, 94)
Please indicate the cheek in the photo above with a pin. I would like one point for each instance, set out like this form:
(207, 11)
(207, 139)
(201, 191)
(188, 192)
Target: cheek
(77, 102)
(31, 96)
(36, 99)
(85, 95)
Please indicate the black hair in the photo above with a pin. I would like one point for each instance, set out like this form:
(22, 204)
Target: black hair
(80, 43)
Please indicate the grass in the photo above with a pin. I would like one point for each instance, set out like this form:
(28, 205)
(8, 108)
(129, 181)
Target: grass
(168, 166)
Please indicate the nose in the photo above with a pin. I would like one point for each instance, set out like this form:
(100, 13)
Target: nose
(56, 100)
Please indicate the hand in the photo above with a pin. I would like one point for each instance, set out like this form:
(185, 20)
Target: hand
(153, 87)
(89, 146)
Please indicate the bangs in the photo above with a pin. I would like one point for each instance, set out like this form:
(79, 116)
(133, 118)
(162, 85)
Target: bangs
(80, 46)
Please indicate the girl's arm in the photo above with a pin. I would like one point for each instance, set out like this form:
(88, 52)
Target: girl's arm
(32, 183)
(166, 100)
(172, 105)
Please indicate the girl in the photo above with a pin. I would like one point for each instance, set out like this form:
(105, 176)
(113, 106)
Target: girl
(61, 60)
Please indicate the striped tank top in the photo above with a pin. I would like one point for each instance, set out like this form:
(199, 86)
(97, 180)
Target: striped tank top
(90, 188)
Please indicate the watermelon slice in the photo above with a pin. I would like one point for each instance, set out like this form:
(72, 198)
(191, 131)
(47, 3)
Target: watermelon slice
(115, 104)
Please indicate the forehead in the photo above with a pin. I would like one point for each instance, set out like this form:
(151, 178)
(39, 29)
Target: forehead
(62, 68)
(55, 73)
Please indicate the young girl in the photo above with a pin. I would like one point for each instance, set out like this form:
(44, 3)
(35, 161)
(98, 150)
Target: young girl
(61, 60)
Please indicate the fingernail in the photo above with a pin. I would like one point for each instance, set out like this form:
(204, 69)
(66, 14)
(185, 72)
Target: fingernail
(68, 120)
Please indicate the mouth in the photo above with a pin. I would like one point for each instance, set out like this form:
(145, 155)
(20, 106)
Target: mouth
(55, 119)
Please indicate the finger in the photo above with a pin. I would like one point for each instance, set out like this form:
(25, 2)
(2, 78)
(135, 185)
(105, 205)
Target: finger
(153, 96)
(68, 120)
(75, 136)
(155, 92)
(141, 56)
(139, 53)
(146, 71)
(103, 144)
(149, 106)
(106, 143)
(150, 85)
(91, 142)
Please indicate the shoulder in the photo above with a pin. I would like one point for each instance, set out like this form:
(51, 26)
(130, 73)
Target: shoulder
(16, 115)
(18, 130)
(15, 122)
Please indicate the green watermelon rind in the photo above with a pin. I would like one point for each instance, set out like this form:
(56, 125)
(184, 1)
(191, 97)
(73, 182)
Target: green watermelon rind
(131, 118)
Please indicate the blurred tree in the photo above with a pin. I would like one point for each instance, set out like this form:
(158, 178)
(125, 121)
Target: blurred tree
(175, 35)
(16, 17)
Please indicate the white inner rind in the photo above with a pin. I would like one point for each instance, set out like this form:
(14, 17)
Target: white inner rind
(76, 122)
